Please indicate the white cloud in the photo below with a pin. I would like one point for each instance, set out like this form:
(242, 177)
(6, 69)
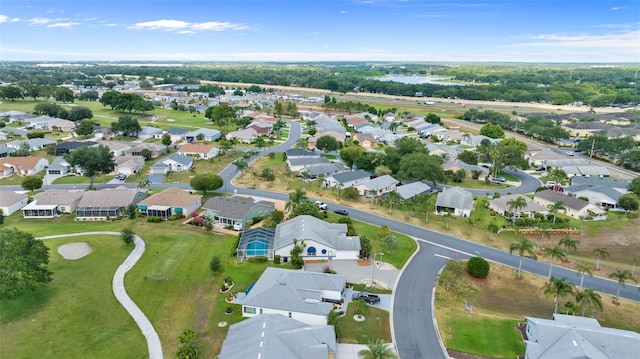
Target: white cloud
(63, 25)
(367, 49)
(616, 8)
(621, 40)
(184, 27)
(3, 18)
(40, 21)
(344, 12)
(15, 19)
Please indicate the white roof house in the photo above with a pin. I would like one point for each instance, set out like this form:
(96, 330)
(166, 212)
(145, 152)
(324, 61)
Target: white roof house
(323, 240)
(410, 190)
(11, 202)
(347, 179)
(52, 202)
(457, 201)
(568, 336)
(278, 336)
(377, 186)
(304, 296)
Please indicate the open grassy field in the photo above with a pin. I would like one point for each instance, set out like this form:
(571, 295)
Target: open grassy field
(77, 314)
(499, 302)
(375, 326)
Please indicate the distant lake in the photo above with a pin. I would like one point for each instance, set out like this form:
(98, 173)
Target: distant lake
(416, 80)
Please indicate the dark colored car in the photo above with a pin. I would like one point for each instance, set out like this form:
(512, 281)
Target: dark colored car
(368, 298)
(342, 212)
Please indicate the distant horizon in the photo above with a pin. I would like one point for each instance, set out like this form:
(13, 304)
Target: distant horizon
(289, 31)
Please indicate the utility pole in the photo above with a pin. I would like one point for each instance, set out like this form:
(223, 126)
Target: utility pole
(593, 143)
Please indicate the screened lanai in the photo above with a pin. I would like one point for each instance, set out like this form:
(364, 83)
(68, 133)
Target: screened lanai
(256, 242)
(88, 212)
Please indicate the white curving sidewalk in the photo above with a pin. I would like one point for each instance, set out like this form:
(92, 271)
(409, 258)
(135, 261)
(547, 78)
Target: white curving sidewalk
(153, 340)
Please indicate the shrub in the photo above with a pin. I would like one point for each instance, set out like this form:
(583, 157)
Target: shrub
(350, 193)
(633, 214)
(215, 265)
(478, 267)
(496, 195)
(154, 219)
(173, 217)
(276, 259)
(257, 259)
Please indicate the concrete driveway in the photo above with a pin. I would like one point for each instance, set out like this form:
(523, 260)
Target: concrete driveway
(383, 275)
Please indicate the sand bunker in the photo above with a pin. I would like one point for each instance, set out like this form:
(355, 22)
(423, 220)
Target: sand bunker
(73, 251)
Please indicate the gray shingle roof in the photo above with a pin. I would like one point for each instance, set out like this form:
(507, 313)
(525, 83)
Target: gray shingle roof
(294, 291)
(349, 176)
(411, 190)
(8, 198)
(380, 182)
(235, 207)
(467, 167)
(276, 336)
(569, 202)
(455, 197)
(326, 169)
(108, 197)
(309, 161)
(181, 159)
(332, 235)
(300, 152)
(600, 181)
(58, 196)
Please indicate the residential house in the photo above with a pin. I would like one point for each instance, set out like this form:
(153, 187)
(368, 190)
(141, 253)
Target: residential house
(236, 211)
(347, 179)
(586, 171)
(149, 132)
(298, 164)
(300, 153)
(53, 202)
(304, 296)
(366, 140)
(576, 208)
(107, 203)
(454, 200)
(246, 135)
(475, 141)
(59, 167)
(172, 201)
(411, 190)
(155, 149)
(354, 121)
(585, 128)
(457, 165)
(323, 240)
(34, 144)
(199, 151)
(570, 336)
(389, 117)
(502, 207)
(174, 163)
(66, 147)
(378, 186)
(22, 166)
(449, 136)
(128, 165)
(205, 134)
(340, 137)
(542, 157)
(601, 191)
(6, 151)
(325, 170)
(11, 202)
(263, 129)
(117, 148)
(278, 336)
(177, 134)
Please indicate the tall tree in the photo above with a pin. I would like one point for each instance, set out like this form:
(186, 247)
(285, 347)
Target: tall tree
(127, 236)
(553, 252)
(78, 113)
(296, 253)
(64, 94)
(588, 298)
(84, 128)
(621, 276)
(523, 247)
(601, 252)
(295, 198)
(557, 288)
(23, 263)
(629, 202)
(206, 182)
(555, 207)
(422, 166)
(31, 183)
(515, 205)
(582, 269)
(92, 161)
(327, 143)
(569, 243)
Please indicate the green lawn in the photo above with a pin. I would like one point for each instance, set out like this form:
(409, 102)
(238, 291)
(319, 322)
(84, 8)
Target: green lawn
(77, 314)
(375, 326)
(82, 179)
(484, 336)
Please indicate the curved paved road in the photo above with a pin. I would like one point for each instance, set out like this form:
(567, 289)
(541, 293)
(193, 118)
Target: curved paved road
(153, 340)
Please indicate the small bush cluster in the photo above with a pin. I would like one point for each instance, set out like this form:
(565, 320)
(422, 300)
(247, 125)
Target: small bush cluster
(257, 259)
(154, 219)
(276, 259)
(478, 267)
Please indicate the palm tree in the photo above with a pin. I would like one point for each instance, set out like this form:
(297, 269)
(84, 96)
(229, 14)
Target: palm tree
(321, 177)
(304, 176)
(241, 165)
(524, 246)
(145, 183)
(554, 252)
(558, 288)
(569, 243)
(393, 196)
(360, 307)
(516, 205)
(602, 253)
(555, 208)
(332, 317)
(393, 126)
(295, 198)
(621, 276)
(588, 298)
(377, 349)
(582, 269)
(557, 174)
(470, 222)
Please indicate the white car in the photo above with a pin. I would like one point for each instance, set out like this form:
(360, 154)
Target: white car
(321, 205)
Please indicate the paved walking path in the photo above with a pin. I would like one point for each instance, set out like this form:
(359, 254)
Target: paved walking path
(153, 340)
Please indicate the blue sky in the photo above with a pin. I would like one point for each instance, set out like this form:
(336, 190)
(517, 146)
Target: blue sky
(328, 30)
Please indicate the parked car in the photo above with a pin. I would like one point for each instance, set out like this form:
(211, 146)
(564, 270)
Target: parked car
(499, 179)
(367, 297)
(321, 205)
(342, 212)
(120, 176)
